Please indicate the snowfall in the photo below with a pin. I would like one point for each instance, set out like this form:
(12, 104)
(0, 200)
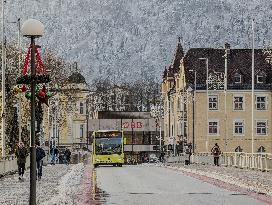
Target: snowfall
(60, 184)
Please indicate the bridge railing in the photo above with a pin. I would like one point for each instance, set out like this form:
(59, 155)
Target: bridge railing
(258, 161)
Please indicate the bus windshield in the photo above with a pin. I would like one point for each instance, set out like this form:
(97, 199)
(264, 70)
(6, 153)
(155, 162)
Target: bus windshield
(105, 146)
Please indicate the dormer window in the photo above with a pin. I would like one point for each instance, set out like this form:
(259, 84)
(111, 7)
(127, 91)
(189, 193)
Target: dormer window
(237, 78)
(260, 79)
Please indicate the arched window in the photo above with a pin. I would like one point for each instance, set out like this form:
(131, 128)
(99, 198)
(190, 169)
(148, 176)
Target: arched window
(238, 149)
(237, 78)
(261, 149)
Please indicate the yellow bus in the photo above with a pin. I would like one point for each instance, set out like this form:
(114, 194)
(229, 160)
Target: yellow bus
(108, 148)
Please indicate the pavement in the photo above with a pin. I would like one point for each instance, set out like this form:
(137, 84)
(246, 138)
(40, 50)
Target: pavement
(159, 184)
(253, 183)
(81, 184)
(59, 184)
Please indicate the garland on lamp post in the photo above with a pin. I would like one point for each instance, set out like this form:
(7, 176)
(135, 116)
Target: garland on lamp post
(41, 78)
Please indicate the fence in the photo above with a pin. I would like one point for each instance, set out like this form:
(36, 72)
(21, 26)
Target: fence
(258, 161)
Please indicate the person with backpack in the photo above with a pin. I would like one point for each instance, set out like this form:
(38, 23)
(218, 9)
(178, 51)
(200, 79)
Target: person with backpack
(21, 155)
(40, 154)
(216, 152)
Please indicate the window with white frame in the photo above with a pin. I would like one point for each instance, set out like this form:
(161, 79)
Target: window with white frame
(239, 127)
(213, 127)
(261, 102)
(81, 108)
(261, 127)
(172, 106)
(238, 102)
(81, 130)
(179, 102)
(213, 102)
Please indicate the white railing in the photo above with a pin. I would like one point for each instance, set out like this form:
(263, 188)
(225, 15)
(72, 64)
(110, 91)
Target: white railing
(258, 161)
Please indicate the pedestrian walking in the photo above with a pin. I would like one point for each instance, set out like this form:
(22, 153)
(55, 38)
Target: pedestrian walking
(216, 153)
(40, 154)
(67, 156)
(54, 155)
(188, 151)
(21, 154)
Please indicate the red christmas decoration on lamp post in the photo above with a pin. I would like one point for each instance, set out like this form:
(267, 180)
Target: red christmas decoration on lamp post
(40, 77)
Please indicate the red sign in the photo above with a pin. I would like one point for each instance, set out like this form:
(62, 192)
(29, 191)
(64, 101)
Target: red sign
(132, 125)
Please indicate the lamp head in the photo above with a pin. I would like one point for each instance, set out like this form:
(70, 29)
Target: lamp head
(32, 28)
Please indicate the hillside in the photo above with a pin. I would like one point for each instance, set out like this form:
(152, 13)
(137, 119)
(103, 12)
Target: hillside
(127, 39)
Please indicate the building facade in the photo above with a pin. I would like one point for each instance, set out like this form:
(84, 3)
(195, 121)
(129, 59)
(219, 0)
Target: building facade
(233, 116)
(65, 120)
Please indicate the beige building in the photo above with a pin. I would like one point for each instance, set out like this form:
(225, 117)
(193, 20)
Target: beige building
(216, 114)
(67, 114)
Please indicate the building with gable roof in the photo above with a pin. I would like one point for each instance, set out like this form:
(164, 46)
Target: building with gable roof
(205, 118)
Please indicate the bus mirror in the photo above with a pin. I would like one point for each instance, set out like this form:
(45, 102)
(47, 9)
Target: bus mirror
(125, 140)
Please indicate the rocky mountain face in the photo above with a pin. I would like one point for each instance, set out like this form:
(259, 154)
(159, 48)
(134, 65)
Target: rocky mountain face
(125, 40)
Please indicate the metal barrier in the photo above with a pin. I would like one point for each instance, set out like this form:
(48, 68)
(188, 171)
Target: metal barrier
(258, 161)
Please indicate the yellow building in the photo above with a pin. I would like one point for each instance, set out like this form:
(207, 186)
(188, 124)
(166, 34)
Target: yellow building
(216, 114)
(67, 114)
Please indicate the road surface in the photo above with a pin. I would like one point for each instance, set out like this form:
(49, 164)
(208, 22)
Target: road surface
(157, 185)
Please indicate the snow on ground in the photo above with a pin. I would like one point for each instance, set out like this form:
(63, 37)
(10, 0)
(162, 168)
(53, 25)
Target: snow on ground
(59, 185)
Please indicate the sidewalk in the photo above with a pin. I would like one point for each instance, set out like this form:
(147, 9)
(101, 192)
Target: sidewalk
(251, 182)
(60, 184)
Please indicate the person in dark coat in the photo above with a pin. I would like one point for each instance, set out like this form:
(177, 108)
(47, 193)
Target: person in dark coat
(21, 153)
(67, 156)
(216, 153)
(40, 154)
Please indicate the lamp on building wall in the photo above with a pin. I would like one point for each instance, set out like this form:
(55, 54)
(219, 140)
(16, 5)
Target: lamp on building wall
(32, 29)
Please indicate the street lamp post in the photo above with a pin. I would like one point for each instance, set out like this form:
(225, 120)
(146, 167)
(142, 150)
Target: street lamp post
(32, 29)
(207, 89)
(252, 94)
(169, 114)
(194, 108)
(3, 82)
(19, 64)
(227, 52)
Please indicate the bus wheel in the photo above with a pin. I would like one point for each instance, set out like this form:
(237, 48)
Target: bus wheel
(95, 165)
(120, 165)
(114, 165)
